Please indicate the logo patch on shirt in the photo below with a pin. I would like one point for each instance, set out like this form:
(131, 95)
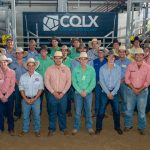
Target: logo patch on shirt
(36, 79)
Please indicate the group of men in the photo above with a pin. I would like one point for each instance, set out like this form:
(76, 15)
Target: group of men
(118, 76)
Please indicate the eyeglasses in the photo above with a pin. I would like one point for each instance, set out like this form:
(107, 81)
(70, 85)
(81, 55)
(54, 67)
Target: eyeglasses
(83, 58)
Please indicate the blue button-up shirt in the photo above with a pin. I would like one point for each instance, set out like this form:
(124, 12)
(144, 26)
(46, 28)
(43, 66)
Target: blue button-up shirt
(34, 55)
(97, 64)
(123, 64)
(19, 69)
(31, 84)
(110, 78)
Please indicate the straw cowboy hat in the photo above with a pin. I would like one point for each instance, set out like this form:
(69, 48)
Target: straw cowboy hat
(66, 48)
(58, 54)
(139, 51)
(83, 55)
(4, 58)
(31, 60)
(20, 50)
(2, 51)
(94, 40)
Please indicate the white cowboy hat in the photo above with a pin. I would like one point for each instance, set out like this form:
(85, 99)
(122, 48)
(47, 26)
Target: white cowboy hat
(20, 50)
(4, 58)
(139, 51)
(83, 55)
(31, 60)
(122, 47)
(2, 51)
(94, 40)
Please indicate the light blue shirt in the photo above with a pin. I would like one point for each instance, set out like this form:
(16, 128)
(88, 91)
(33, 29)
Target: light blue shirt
(34, 55)
(92, 54)
(19, 69)
(31, 84)
(110, 78)
(123, 64)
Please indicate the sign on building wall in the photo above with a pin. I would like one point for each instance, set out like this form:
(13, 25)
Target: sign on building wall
(70, 24)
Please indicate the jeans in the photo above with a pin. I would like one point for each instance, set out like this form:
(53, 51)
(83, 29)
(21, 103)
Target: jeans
(35, 107)
(86, 103)
(148, 101)
(70, 95)
(132, 100)
(98, 95)
(115, 108)
(122, 97)
(57, 107)
(18, 99)
(7, 108)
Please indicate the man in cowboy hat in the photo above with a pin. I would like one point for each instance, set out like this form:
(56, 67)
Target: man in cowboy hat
(32, 52)
(74, 53)
(31, 87)
(97, 64)
(93, 45)
(123, 62)
(45, 62)
(115, 46)
(55, 41)
(68, 62)
(137, 78)
(10, 50)
(7, 87)
(110, 76)
(84, 81)
(17, 66)
(57, 81)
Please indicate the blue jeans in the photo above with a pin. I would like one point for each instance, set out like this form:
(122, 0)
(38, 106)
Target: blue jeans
(140, 100)
(57, 107)
(148, 101)
(85, 103)
(36, 115)
(18, 99)
(122, 97)
(115, 108)
(98, 95)
(70, 95)
(8, 109)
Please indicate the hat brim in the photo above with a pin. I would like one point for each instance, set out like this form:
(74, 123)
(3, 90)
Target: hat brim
(24, 55)
(90, 43)
(9, 60)
(37, 63)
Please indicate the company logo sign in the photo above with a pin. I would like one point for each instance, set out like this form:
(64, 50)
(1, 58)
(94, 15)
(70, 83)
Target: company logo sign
(53, 22)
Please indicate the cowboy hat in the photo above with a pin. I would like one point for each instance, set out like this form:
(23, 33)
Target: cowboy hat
(31, 60)
(104, 50)
(4, 58)
(94, 40)
(20, 50)
(58, 54)
(66, 48)
(2, 51)
(139, 51)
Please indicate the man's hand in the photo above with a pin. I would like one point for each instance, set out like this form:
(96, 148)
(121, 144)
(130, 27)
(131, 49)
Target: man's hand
(110, 96)
(83, 94)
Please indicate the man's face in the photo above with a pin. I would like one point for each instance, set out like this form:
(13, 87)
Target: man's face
(146, 51)
(19, 55)
(111, 59)
(64, 52)
(83, 61)
(10, 44)
(3, 64)
(139, 57)
(116, 45)
(31, 67)
(43, 52)
(58, 60)
(122, 53)
(32, 46)
(95, 45)
(76, 43)
(54, 43)
(100, 54)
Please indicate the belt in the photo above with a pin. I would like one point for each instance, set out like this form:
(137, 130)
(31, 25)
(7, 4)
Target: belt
(30, 97)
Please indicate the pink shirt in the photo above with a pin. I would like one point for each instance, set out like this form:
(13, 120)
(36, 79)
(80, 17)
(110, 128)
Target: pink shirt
(7, 82)
(138, 77)
(58, 79)
(147, 59)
